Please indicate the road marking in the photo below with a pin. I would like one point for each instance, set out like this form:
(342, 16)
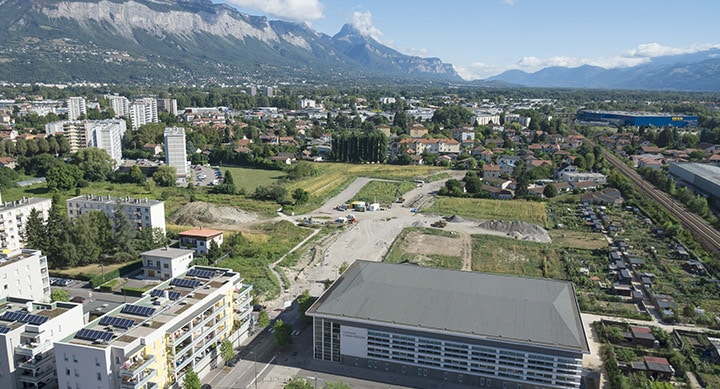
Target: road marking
(260, 373)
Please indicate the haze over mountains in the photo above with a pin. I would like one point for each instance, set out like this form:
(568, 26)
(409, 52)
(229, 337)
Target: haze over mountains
(187, 42)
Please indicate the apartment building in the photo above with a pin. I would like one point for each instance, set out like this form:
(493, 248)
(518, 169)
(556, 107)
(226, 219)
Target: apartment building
(119, 104)
(75, 131)
(107, 135)
(153, 342)
(175, 150)
(143, 111)
(396, 318)
(13, 216)
(167, 105)
(24, 272)
(166, 262)
(142, 213)
(76, 107)
(28, 329)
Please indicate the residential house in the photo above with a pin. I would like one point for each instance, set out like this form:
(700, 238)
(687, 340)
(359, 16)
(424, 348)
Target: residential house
(200, 239)
(418, 131)
(491, 171)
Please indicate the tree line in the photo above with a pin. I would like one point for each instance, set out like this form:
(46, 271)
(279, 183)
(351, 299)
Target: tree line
(358, 147)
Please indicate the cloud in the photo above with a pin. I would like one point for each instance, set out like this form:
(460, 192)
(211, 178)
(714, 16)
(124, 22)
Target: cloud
(298, 10)
(509, 2)
(362, 21)
(641, 54)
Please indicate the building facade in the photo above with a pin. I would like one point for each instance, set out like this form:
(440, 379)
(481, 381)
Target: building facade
(119, 104)
(75, 131)
(143, 111)
(176, 151)
(76, 107)
(27, 331)
(13, 216)
(142, 213)
(648, 119)
(166, 262)
(24, 272)
(107, 135)
(452, 326)
(200, 239)
(153, 342)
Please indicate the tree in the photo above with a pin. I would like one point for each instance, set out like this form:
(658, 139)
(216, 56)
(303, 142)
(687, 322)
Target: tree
(123, 236)
(263, 319)
(550, 191)
(136, 175)
(473, 185)
(34, 235)
(228, 185)
(300, 196)
(343, 267)
(226, 350)
(282, 333)
(59, 295)
(336, 385)
(63, 177)
(191, 380)
(304, 302)
(164, 176)
(95, 163)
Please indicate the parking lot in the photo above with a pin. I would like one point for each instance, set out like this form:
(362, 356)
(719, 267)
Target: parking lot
(205, 175)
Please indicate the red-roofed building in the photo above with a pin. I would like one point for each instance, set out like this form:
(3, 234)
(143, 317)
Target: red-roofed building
(200, 239)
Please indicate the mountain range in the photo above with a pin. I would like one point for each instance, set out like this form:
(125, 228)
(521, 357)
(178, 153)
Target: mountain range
(188, 42)
(687, 72)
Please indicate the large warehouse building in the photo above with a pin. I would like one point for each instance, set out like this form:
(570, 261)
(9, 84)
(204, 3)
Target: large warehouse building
(478, 329)
(702, 178)
(647, 119)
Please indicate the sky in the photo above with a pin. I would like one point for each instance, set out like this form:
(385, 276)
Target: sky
(482, 38)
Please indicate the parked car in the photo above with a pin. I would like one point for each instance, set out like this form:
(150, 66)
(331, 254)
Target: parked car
(78, 299)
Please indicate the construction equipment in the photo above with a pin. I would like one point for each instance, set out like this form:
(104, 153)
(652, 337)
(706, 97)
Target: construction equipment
(439, 224)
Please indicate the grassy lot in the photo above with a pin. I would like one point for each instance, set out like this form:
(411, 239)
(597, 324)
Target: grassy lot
(332, 178)
(578, 239)
(532, 212)
(253, 252)
(248, 179)
(496, 254)
(398, 255)
(91, 270)
(383, 192)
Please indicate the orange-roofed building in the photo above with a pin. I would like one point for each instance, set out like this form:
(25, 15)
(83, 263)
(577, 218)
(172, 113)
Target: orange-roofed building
(199, 239)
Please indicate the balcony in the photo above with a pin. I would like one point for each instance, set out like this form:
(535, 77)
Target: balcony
(37, 362)
(131, 369)
(138, 381)
(36, 378)
(33, 349)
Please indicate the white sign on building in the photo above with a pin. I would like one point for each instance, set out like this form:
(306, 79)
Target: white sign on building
(353, 341)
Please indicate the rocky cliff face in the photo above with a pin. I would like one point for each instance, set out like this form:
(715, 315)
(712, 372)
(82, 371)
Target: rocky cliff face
(165, 40)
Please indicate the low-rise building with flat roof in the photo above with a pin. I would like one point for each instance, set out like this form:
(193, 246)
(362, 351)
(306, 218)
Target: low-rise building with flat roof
(166, 262)
(472, 328)
(200, 239)
(142, 213)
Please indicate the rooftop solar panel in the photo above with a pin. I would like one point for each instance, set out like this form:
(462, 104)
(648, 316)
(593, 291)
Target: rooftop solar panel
(174, 295)
(94, 335)
(183, 283)
(35, 319)
(13, 316)
(4, 329)
(138, 310)
(116, 322)
(201, 273)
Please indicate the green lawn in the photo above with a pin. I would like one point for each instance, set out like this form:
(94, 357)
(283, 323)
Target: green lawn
(384, 192)
(494, 254)
(248, 179)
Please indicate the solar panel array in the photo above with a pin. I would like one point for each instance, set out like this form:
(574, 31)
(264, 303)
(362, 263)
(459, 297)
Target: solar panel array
(94, 335)
(159, 293)
(116, 322)
(183, 283)
(24, 317)
(201, 273)
(4, 329)
(138, 310)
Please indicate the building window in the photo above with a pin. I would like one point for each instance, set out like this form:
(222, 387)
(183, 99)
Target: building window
(67, 371)
(76, 373)
(74, 358)
(99, 377)
(166, 266)
(97, 362)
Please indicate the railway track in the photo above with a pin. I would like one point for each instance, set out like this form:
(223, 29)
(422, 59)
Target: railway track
(702, 231)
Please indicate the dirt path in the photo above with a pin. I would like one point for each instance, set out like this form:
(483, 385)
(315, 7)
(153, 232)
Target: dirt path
(466, 250)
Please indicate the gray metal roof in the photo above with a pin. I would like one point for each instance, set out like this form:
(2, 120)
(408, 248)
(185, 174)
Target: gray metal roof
(538, 312)
(167, 252)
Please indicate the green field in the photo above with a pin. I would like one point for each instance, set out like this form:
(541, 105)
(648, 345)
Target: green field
(383, 192)
(397, 253)
(494, 254)
(485, 209)
(247, 179)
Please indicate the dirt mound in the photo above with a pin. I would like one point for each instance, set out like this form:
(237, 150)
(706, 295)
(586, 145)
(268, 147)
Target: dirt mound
(202, 213)
(455, 219)
(518, 230)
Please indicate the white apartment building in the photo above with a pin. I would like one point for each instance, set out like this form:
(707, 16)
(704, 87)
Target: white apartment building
(76, 107)
(143, 111)
(166, 262)
(175, 150)
(24, 272)
(307, 103)
(483, 119)
(107, 135)
(27, 331)
(143, 213)
(75, 131)
(152, 343)
(119, 104)
(13, 216)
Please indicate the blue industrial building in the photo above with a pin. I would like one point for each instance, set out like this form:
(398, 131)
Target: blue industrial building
(637, 119)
